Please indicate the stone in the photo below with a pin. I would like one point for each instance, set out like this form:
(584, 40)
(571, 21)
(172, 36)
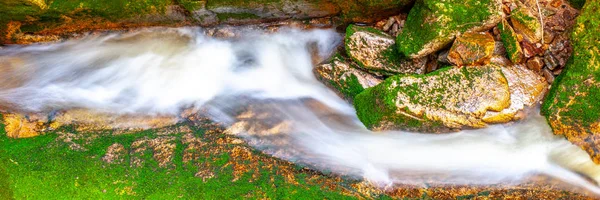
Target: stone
(572, 107)
(526, 90)
(432, 25)
(472, 49)
(550, 61)
(549, 75)
(526, 23)
(87, 120)
(536, 64)
(344, 77)
(376, 52)
(441, 101)
(511, 43)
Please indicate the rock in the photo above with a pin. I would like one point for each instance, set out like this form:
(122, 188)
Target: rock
(436, 102)
(526, 23)
(572, 107)
(511, 43)
(526, 89)
(472, 49)
(376, 52)
(86, 120)
(548, 75)
(344, 77)
(550, 61)
(530, 50)
(20, 126)
(433, 24)
(536, 64)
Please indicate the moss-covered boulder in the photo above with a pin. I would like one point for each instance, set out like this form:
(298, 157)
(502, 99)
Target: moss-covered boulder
(376, 52)
(526, 23)
(472, 48)
(344, 77)
(511, 43)
(433, 24)
(572, 106)
(447, 99)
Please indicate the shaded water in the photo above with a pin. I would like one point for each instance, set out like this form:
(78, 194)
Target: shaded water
(163, 71)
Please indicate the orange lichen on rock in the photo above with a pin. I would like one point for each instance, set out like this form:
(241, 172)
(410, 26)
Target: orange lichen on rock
(19, 126)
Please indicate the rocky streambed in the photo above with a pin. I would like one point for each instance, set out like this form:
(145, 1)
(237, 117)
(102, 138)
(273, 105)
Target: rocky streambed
(465, 76)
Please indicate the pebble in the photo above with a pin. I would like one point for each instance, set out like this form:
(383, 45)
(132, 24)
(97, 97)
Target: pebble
(536, 64)
(548, 75)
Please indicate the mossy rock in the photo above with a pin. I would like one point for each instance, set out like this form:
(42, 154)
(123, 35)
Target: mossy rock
(433, 24)
(572, 107)
(344, 77)
(376, 52)
(511, 43)
(526, 23)
(436, 102)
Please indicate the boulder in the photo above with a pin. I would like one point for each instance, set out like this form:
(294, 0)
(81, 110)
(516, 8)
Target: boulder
(472, 48)
(511, 42)
(572, 107)
(440, 101)
(376, 52)
(345, 78)
(433, 24)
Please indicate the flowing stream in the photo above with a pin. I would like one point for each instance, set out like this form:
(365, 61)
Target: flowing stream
(162, 71)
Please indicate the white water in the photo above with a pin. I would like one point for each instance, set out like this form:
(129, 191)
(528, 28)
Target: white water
(162, 71)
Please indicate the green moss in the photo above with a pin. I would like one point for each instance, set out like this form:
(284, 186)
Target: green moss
(191, 5)
(17, 10)
(44, 167)
(437, 22)
(576, 92)
(509, 39)
(110, 9)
